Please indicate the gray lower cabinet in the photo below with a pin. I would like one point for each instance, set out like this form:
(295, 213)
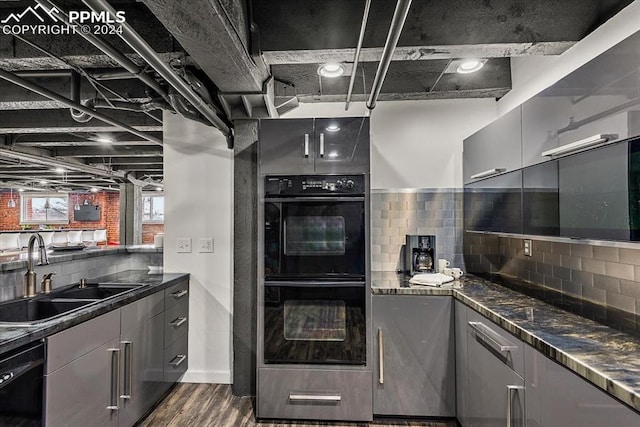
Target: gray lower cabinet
(462, 382)
(494, 375)
(112, 369)
(82, 374)
(314, 394)
(414, 360)
(141, 345)
(556, 397)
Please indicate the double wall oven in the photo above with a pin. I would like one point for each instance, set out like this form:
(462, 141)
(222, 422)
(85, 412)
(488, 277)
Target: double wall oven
(314, 298)
(315, 270)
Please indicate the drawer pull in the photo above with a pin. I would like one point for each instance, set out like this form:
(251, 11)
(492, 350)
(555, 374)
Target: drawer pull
(491, 338)
(178, 322)
(179, 294)
(380, 356)
(128, 370)
(303, 397)
(177, 361)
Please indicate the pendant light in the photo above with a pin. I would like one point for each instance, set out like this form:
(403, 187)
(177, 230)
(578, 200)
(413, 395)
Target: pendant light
(11, 203)
(47, 205)
(76, 207)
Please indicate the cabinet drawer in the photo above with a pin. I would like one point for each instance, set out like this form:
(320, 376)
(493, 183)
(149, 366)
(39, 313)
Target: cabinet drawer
(321, 395)
(176, 322)
(68, 345)
(176, 359)
(175, 294)
(498, 341)
(142, 310)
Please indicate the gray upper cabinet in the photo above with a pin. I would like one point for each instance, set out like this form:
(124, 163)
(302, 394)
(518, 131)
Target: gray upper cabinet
(556, 397)
(494, 147)
(414, 371)
(286, 146)
(601, 97)
(301, 146)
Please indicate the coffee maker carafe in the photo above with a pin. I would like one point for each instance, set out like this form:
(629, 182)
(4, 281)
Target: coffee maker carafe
(420, 254)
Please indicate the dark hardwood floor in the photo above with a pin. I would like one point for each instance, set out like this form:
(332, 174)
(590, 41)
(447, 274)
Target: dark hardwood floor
(215, 405)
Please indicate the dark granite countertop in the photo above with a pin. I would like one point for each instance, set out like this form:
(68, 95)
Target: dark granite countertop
(604, 356)
(17, 261)
(15, 336)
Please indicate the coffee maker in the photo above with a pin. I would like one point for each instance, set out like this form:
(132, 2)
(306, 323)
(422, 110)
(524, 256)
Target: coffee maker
(420, 254)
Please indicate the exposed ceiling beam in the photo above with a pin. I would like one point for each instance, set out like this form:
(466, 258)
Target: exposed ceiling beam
(82, 61)
(129, 161)
(85, 143)
(469, 93)
(418, 53)
(216, 38)
(75, 129)
(148, 151)
(138, 167)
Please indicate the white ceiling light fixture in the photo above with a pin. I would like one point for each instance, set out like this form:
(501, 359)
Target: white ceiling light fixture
(11, 203)
(94, 190)
(158, 188)
(333, 128)
(331, 70)
(59, 170)
(469, 66)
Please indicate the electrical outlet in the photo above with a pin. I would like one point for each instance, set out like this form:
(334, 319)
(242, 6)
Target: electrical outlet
(528, 248)
(183, 244)
(206, 244)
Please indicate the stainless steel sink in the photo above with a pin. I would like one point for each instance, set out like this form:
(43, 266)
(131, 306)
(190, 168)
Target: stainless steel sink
(42, 308)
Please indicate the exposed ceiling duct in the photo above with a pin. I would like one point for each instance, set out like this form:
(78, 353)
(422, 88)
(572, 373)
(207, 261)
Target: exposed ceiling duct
(142, 48)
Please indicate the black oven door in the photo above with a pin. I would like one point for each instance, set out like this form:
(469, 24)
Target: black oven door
(21, 386)
(315, 239)
(306, 324)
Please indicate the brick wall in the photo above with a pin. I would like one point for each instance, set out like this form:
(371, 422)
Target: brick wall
(149, 231)
(109, 203)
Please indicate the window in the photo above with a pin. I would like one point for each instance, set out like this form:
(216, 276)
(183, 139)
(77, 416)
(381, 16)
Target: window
(44, 208)
(153, 208)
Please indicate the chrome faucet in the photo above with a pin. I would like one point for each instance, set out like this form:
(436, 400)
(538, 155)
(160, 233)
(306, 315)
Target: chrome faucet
(30, 275)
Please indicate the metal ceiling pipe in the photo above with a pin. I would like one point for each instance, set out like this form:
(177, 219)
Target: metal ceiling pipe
(105, 47)
(147, 106)
(397, 23)
(112, 75)
(356, 56)
(50, 161)
(142, 48)
(9, 76)
(143, 183)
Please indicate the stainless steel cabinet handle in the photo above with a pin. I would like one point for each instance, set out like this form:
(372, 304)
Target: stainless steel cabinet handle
(510, 390)
(128, 369)
(488, 173)
(322, 145)
(380, 356)
(492, 338)
(180, 294)
(178, 322)
(306, 145)
(115, 378)
(315, 397)
(177, 361)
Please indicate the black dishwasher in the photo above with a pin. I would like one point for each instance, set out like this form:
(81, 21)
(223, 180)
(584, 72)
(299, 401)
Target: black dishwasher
(21, 386)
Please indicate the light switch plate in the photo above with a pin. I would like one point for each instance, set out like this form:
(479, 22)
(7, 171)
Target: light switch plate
(528, 249)
(183, 244)
(206, 245)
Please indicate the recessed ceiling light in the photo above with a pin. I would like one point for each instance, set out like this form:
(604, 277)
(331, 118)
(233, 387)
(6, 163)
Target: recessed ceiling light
(43, 182)
(331, 70)
(158, 188)
(21, 190)
(469, 66)
(59, 170)
(104, 140)
(94, 190)
(333, 128)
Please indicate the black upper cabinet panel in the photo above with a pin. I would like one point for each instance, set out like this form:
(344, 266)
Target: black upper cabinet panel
(601, 97)
(540, 199)
(283, 144)
(343, 145)
(494, 204)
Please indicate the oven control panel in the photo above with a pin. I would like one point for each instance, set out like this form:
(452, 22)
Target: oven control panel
(314, 185)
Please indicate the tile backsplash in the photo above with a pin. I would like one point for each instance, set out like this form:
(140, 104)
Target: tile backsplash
(605, 275)
(396, 213)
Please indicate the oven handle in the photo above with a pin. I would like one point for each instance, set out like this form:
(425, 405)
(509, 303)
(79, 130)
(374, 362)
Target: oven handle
(331, 198)
(309, 284)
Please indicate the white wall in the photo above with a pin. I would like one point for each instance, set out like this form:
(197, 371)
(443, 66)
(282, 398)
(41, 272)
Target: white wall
(414, 144)
(198, 173)
(612, 32)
